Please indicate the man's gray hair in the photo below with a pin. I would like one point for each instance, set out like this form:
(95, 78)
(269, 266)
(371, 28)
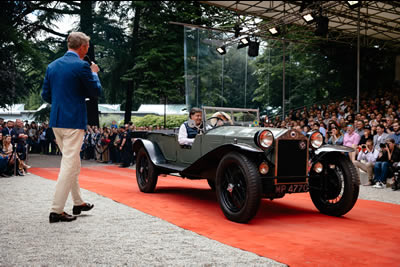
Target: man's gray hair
(76, 39)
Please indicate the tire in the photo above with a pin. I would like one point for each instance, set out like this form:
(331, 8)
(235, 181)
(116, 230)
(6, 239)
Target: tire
(146, 173)
(238, 187)
(335, 193)
(211, 183)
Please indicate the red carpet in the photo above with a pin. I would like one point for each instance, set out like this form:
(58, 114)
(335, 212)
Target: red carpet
(288, 230)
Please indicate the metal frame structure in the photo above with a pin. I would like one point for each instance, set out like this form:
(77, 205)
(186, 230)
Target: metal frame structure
(378, 22)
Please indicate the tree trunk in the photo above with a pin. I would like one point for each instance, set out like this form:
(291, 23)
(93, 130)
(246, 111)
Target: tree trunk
(131, 83)
(86, 25)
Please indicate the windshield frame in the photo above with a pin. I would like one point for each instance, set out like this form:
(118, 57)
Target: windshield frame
(229, 111)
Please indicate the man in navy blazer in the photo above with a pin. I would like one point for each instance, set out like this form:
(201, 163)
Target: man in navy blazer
(68, 81)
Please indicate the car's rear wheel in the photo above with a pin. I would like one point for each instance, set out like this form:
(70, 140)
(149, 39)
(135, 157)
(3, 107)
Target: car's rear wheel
(238, 187)
(146, 172)
(336, 191)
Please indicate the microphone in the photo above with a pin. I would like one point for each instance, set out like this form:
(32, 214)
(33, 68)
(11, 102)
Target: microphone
(87, 59)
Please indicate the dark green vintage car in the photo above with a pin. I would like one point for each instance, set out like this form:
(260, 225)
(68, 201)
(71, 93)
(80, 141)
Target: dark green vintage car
(244, 163)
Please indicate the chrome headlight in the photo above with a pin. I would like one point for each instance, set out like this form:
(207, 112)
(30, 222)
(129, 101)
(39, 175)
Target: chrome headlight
(264, 139)
(316, 140)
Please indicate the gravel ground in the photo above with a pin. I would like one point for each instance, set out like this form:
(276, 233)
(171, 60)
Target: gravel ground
(122, 236)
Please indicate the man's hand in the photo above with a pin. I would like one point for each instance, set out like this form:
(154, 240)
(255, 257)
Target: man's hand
(94, 67)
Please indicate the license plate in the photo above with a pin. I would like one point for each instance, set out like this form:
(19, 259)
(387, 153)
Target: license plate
(291, 188)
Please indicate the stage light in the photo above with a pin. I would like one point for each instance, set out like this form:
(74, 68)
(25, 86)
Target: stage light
(221, 50)
(322, 26)
(353, 4)
(309, 18)
(243, 42)
(274, 31)
(253, 48)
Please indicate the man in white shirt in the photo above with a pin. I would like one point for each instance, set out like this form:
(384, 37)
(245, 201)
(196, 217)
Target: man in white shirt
(189, 129)
(366, 159)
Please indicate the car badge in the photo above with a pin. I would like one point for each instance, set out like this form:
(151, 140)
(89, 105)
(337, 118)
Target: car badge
(302, 145)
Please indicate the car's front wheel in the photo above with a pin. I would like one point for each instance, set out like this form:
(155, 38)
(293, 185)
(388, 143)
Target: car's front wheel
(238, 187)
(146, 173)
(336, 191)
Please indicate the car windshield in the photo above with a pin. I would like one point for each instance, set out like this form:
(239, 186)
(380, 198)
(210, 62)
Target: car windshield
(221, 116)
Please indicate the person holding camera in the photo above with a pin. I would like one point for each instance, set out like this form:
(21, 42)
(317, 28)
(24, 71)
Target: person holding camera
(69, 80)
(388, 155)
(366, 159)
(336, 136)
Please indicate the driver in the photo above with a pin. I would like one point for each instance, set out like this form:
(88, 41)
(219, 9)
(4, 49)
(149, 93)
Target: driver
(224, 117)
(189, 129)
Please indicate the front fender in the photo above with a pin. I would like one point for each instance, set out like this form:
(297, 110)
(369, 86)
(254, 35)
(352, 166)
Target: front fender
(152, 149)
(333, 148)
(329, 150)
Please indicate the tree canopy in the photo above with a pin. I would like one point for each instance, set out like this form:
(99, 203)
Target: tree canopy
(141, 56)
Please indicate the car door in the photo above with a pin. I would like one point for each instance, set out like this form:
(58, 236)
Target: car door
(186, 155)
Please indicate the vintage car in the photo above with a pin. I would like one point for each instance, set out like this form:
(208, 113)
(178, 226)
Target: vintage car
(244, 163)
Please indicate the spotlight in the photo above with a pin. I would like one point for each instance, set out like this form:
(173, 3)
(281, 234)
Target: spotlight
(243, 42)
(353, 4)
(274, 31)
(322, 26)
(309, 18)
(221, 50)
(253, 48)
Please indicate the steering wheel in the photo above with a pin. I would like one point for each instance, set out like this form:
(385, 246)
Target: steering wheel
(216, 121)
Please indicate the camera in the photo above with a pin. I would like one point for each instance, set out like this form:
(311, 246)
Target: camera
(363, 146)
(382, 145)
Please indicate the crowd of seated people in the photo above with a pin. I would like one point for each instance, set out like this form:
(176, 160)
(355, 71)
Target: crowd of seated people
(373, 132)
(13, 149)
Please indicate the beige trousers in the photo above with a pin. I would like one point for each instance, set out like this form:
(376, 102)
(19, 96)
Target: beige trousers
(367, 167)
(70, 142)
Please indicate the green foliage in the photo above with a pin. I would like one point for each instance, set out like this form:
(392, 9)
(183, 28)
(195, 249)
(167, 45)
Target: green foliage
(42, 115)
(152, 61)
(172, 121)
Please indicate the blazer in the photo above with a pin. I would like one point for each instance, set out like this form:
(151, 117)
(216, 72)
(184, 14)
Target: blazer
(68, 81)
(381, 141)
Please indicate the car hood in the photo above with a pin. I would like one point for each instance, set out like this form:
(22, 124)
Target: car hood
(244, 132)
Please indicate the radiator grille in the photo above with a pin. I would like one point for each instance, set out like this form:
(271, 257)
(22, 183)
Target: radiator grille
(292, 159)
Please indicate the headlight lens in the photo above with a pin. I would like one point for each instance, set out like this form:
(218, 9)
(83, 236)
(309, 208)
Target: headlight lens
(265, 139)
(263, 168)
(316, 140)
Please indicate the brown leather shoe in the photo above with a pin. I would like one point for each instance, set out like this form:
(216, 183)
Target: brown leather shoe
(76, 210)
(63, 217)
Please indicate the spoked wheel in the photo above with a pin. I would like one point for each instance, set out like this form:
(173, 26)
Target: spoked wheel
(238, 187)
(336, 191)
(146, 173)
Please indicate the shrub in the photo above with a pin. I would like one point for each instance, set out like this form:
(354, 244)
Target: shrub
(173, 121)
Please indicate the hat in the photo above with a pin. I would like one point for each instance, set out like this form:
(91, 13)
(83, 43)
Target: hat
(122, 127)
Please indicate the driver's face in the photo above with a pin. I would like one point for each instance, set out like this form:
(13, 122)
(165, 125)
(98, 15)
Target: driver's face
(197, 118)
